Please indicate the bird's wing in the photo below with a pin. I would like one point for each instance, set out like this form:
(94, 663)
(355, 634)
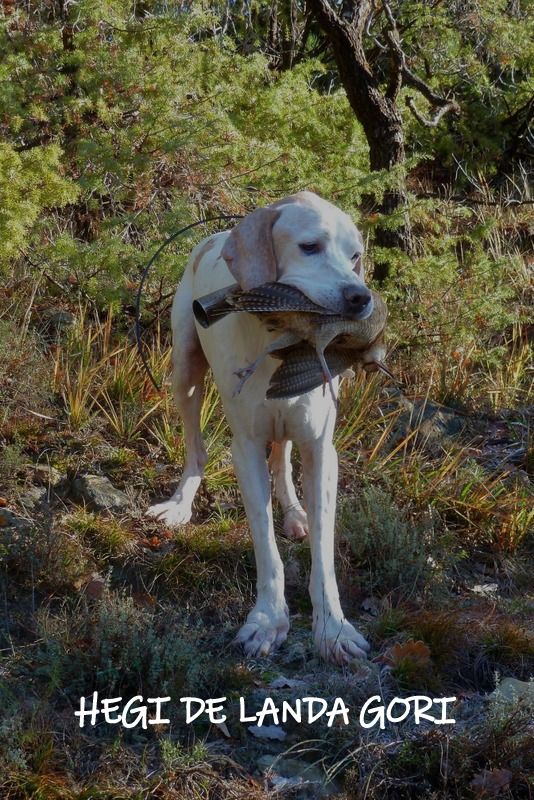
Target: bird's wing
(272, 297)
(300, 370)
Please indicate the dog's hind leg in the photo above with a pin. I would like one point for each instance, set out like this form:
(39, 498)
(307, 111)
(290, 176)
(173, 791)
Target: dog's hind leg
(295, 519)
(189, 366)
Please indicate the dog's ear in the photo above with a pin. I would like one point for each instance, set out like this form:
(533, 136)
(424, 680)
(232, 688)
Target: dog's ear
(249, 252)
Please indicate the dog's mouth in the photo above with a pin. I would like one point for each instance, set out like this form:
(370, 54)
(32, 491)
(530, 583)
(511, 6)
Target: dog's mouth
(352, 302)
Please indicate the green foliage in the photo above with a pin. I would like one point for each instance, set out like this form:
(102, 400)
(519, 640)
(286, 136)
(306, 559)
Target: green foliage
(117, 647)
(106, 536)
(479, 53)
(141, 128)
(118, 125)
(24, 374)
(31, 183)
(390, 546)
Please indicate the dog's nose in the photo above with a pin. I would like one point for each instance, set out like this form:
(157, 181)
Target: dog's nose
(357, 298)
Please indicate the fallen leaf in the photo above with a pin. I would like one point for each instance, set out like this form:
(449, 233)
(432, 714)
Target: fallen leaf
(153, 542)
(144, 599)
(416, 652)
(223, 728)
(3, 502)
(490, 783)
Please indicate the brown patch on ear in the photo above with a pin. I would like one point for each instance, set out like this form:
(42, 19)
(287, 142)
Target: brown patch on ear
(249, 252)
(206, 247)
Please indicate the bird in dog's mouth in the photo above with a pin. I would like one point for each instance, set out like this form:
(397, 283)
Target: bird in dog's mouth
(315, 344)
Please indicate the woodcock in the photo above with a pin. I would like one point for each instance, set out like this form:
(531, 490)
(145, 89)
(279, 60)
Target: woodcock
(306, 331)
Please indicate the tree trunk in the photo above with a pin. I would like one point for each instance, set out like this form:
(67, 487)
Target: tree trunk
(377, 112)
(386, 150)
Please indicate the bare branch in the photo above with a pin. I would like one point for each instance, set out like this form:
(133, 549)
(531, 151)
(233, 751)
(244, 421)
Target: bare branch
(410, 78)
(413, 80)
(434, 121)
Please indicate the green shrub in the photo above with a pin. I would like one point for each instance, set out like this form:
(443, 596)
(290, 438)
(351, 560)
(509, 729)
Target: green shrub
(385, 542)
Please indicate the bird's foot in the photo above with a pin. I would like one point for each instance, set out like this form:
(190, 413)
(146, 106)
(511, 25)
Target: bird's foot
(243, 374)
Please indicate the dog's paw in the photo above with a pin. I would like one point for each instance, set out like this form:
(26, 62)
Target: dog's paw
(263, 632)
(172, 513)
(339, 642)
(295, 524)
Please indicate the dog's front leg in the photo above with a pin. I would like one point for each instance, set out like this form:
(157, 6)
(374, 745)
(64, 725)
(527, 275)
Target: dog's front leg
(268, 622)
(336, 639)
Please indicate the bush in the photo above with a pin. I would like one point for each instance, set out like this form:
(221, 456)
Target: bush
(385, 542)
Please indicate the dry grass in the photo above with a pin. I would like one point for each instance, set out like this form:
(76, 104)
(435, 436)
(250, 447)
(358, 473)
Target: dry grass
(426, 517)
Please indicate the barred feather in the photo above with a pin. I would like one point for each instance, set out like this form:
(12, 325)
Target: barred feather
(273, 297)
(300, 370)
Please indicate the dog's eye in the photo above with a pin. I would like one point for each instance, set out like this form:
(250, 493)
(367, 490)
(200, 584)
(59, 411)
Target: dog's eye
(309, 248)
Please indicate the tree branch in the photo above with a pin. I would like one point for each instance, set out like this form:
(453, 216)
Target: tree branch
(411, 79)
(433, 122)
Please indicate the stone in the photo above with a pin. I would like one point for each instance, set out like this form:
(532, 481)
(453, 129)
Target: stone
(8, 519)
(268, 732)
(58, 319)
(293, 773)
(47, 475)
(486, 589)
(34, 497)
(511, 690)
(437, 425)
(99, 494)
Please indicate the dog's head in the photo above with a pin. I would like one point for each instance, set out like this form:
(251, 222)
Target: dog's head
(308, 243)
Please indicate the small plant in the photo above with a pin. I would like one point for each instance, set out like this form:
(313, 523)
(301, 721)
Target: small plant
(118, 647)
(25, 384)
(105, 535)
(385, 542)
(11, 461)
(174, 756)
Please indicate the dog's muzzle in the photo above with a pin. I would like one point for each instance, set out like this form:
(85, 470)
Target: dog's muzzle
(358, 302)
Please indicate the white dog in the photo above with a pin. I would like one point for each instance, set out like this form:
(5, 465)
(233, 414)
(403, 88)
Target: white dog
(310, 244)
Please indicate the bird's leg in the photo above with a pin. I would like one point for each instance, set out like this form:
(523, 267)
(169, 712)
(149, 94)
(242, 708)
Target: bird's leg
(285, 340)
(327, 375)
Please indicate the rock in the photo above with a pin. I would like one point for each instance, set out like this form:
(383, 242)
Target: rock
(486, 589)
(436, 424)
(268, 732)
(511, 690)
(34, 497)
(57, 320)
(8, 519)
(97, 492)
(293, 773)
(95, 586)
(287, 683)
(46, 475)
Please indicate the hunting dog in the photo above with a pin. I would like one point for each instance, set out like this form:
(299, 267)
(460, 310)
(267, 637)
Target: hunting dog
(308, 243)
